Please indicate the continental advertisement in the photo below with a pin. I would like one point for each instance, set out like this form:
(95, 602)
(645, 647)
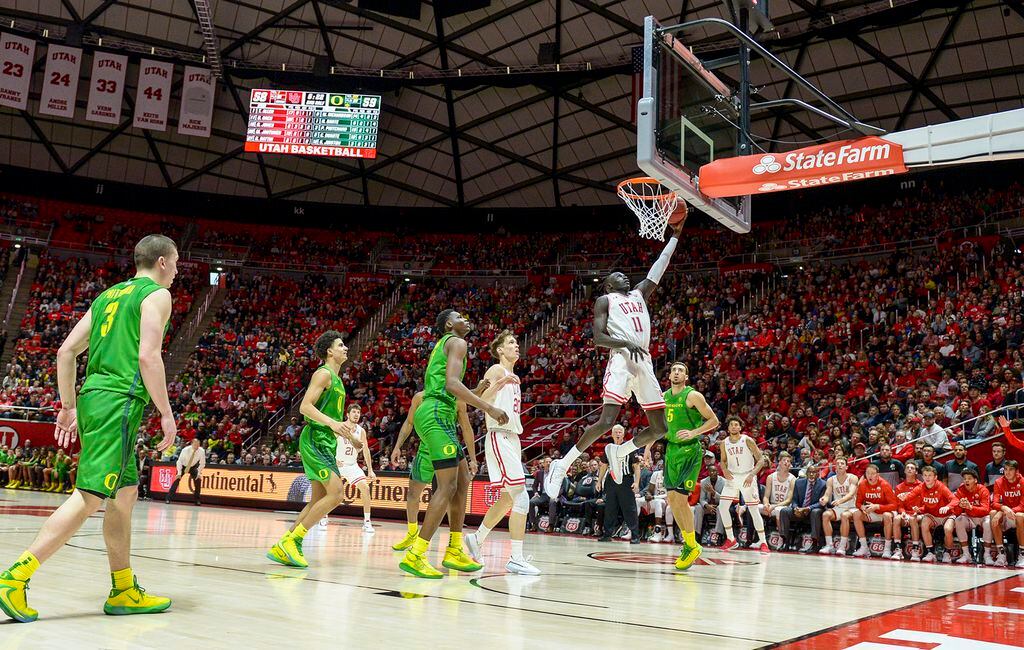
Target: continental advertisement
(290, 489)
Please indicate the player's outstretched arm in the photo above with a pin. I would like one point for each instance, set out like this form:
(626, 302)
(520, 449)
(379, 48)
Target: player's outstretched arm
(468, 436)
(650, 283)
(406, 430)
(156, 311)
(455, 348)
(75, 344)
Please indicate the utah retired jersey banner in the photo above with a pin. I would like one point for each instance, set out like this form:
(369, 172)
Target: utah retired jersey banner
(834, 162)
(197, 89)
(60, 81)
(106, 88)
(153, 95)
(16, 55)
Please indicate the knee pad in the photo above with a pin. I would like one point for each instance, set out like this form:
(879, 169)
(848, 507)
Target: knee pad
(520, 501)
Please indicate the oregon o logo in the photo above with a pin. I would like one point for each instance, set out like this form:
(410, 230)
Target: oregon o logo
(324, 472)
(110, 480)
(449, 450)
(689, 485)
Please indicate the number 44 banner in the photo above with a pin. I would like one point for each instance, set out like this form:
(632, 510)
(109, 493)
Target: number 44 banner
(153, 98)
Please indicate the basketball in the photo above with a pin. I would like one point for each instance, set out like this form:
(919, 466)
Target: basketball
(679, 216)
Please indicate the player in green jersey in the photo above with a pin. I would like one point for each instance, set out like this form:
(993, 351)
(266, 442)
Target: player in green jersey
(323, 407)
(123, 331)
(421, 472)
(688, 417)
(435, 425)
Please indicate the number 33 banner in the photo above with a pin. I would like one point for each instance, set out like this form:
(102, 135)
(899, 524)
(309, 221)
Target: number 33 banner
(153, 97)
(15, 70)
(60, 82)
(106, 88)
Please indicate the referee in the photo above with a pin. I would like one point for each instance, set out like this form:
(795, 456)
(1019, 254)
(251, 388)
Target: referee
(191, 462)
(620, 498)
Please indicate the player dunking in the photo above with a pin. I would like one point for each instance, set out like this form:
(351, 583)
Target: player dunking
(505, 457)
(622, 324)
(323, 407)
(421, 472)
(688, 417)
(123, 331)
(741, 463)
(435, 425)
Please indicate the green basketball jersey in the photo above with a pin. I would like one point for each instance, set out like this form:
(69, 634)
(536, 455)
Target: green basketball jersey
(435, 377)
(331, 402)
(679, 416)
(114, 339)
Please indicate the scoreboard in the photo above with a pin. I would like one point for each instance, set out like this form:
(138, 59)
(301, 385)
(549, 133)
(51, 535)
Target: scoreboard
(313, 123)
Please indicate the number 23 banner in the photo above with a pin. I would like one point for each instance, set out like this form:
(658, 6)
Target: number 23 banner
(16, 56)
(153, 97)
(106, 88)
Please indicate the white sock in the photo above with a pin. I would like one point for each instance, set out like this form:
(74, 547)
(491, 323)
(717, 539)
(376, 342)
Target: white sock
(888, 545)
(573, 454)
(482, 532)
(863, 541)
(366, 517)
(758, 520)
(517, 549)
(843, 543)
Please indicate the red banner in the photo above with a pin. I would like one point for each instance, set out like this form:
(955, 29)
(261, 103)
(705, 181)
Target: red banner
(15, 433)
(539, 429)
(834, 162)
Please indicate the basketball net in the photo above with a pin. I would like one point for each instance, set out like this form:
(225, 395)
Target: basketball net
(651, 202)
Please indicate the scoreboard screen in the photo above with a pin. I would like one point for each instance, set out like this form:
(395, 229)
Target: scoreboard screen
(313, 123)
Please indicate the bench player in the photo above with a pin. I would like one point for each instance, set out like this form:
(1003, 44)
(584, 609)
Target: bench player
(972, 510)
(741, 462)
(505, 457)
(876, 503)
(622, 323)
(935, 504)
(841, 490)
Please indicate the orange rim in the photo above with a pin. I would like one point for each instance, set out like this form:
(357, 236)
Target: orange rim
(642, 197)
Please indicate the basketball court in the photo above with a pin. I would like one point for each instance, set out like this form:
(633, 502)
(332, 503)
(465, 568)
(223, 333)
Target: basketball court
(211, 562)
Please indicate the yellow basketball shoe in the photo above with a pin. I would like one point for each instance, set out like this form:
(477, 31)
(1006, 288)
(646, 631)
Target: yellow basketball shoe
(134, 600)
(457, 559)
(277, 554)
(292, 548)
(418, 566)
(14, 599)
(407, 541)
(688, 556)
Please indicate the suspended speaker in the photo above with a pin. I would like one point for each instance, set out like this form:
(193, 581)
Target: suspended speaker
(401, 8)
(448, 8)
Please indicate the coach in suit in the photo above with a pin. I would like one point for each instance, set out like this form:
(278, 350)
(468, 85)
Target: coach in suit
(805, 506)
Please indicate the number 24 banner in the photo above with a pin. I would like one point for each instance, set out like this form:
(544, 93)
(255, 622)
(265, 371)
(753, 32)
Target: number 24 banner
(106, 88)
(153, 97)
(16, 56)
(60, 81)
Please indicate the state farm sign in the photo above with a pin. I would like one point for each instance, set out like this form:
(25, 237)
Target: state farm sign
(835, 162)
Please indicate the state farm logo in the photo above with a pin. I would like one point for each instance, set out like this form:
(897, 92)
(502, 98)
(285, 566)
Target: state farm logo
(772, 187)
(767, 165)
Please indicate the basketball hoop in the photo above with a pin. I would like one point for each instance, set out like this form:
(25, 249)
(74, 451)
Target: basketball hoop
(651, 202)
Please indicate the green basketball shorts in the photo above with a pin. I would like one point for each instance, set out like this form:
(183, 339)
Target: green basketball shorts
(318, 448)
(422, 470)
(108, 423)
(682, 466)
(435, 425)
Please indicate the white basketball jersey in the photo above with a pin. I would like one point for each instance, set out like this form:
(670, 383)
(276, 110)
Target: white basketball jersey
(628, 318)
(840, 490)
(508, 399)
(658, 481)
(346, 453)
(780, 489)
(738, 456)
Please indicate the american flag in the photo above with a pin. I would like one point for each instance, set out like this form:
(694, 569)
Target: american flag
(638, 80)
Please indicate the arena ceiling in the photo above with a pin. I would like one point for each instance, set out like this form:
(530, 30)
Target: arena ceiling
(509, 132)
